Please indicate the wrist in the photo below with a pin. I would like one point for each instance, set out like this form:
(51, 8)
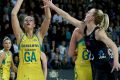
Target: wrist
(52, 5)
(116, 61)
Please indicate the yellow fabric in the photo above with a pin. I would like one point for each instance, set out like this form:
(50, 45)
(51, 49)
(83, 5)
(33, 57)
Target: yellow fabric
(5, 68)
(30, 67)
(82, 64)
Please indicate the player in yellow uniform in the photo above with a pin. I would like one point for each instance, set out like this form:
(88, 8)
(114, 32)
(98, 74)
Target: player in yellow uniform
(30, 67)
(6, 60)
(83, 69)
(30, 63)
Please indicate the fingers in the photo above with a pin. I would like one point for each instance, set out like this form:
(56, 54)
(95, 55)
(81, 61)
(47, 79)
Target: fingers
(115, 68)
(45, 4)
(118, 68)
(112, 69)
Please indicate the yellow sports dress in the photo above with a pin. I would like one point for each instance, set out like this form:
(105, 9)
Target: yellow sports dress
(30, 67)
(83, 69)
(5, 68)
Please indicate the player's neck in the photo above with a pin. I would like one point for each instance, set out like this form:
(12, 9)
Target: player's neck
(90, 27)
(6, 50)
(29, 34)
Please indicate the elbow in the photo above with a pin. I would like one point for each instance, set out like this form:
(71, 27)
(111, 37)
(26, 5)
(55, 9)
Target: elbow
(13, 13)
(71, 50)
(65, 15)
(70, 53)
(48, 17)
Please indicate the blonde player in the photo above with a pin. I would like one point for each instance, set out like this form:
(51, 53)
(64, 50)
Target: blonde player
(78, 51)
(30, 67)
(6, 60)
(97, 42)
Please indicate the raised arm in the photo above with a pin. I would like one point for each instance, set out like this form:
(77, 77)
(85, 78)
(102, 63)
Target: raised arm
(45, 24)
(15, 23)
(64, 14)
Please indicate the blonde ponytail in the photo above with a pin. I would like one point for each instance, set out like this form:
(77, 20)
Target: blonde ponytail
(105, 22)
(101, 19)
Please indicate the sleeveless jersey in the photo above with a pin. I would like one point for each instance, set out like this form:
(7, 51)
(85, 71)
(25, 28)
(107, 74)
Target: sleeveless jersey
(98, 49)
(5, 68)
(83, 69)
(30, 67)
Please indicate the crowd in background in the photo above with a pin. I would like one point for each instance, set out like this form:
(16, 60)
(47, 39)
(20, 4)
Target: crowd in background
(56, 42)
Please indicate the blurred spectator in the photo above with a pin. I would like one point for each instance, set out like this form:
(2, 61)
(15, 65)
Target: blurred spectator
(46, 46)
(15, 46)
(6, 29)
(55, 61)
(62, 49)
(119, 49)
(21, 16)
(16, 62)
(118, 32)
(13, 2)
(68, 35)
(6, 17)
(58, 37)
(57, 18)
(8, 8)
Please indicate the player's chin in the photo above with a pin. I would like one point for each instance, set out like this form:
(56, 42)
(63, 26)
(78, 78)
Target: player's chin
(85, 20)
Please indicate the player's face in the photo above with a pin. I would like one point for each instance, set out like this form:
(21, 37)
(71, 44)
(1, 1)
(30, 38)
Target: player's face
(89, 16)
(29, 23)
(7, 44)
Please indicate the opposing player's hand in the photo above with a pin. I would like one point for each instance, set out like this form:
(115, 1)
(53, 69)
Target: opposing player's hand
(48, 3)
(116, 66)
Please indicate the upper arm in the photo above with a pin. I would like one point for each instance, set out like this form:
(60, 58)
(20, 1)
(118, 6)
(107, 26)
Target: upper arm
(45, 24)
(40, 37)
(44, 27)
(102, 36)
(72, 45)
(16, 27)
(43, 58)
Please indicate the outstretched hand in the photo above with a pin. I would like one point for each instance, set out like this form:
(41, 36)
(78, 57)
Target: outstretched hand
(48, 3)
(116, 66)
